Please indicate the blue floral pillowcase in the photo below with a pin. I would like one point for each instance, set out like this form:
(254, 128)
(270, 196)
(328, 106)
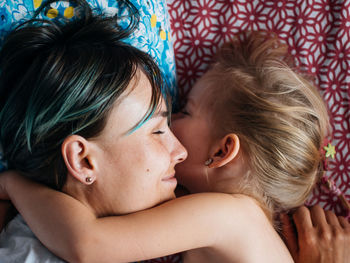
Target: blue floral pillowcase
(152, 35)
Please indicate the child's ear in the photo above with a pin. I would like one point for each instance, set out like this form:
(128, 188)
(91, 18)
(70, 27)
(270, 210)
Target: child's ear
(78, 159)
(225, 151)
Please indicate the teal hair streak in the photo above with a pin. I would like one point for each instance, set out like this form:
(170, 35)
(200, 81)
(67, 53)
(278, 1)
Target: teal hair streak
(62, 110)
(150, 113)
(143, 121)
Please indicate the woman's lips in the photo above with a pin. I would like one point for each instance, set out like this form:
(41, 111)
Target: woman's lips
(171, 178)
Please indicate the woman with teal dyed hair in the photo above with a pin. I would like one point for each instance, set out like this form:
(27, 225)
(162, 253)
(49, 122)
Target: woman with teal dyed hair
(83, 113)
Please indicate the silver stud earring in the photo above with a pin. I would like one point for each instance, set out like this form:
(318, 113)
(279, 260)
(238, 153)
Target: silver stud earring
(209, 161)
(88, 179)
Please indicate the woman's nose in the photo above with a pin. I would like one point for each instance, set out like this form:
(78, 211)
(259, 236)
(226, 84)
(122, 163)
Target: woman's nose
(180, 152)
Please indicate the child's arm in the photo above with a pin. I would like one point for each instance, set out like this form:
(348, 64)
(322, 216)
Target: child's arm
(71, 230)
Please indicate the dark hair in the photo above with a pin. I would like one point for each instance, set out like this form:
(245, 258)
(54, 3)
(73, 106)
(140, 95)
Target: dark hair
(62, 78)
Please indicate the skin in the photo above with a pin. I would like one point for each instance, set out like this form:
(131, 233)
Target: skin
(209, 224)
(188, 216)
(320, 236)
(193, 128)
(109, 156)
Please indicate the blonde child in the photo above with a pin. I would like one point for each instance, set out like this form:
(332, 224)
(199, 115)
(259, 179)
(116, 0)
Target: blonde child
(264, 125)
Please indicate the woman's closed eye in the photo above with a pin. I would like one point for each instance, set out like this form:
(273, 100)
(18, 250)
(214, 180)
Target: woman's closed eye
(159, 132)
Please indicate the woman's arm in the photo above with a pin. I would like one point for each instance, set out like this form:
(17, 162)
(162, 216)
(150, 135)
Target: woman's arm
(71, 230)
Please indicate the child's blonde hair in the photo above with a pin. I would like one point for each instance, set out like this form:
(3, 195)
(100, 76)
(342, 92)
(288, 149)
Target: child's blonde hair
(278, 115)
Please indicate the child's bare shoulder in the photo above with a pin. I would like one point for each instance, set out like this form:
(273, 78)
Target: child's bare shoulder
(221, 204)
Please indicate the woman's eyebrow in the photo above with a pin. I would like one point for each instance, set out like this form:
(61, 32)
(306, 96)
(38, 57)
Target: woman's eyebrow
(163, 114)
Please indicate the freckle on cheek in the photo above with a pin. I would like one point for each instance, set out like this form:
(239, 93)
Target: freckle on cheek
(147, 170)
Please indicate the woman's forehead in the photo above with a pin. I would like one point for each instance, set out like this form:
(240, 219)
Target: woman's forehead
(137, 101)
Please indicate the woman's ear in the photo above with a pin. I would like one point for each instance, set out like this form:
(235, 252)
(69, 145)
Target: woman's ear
(226, 151)
(77, 157)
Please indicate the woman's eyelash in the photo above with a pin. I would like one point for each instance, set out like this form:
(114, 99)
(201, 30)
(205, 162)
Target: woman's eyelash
(159, 132)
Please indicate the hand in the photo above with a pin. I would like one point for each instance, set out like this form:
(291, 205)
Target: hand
(321, 236)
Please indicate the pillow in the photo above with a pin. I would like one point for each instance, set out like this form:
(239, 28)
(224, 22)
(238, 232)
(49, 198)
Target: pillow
(152, 36)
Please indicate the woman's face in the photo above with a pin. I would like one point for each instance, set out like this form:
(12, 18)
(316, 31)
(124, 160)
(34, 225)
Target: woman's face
(137, 169)
(191, 127)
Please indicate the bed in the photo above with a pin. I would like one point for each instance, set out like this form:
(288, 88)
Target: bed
(188, 33)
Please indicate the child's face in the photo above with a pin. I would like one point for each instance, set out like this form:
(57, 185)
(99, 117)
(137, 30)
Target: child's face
(192, 128)
(137, 169)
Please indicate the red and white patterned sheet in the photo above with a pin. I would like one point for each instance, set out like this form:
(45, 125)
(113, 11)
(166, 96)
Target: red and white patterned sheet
(318, 35)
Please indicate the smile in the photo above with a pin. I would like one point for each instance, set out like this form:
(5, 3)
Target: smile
(170, 178)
